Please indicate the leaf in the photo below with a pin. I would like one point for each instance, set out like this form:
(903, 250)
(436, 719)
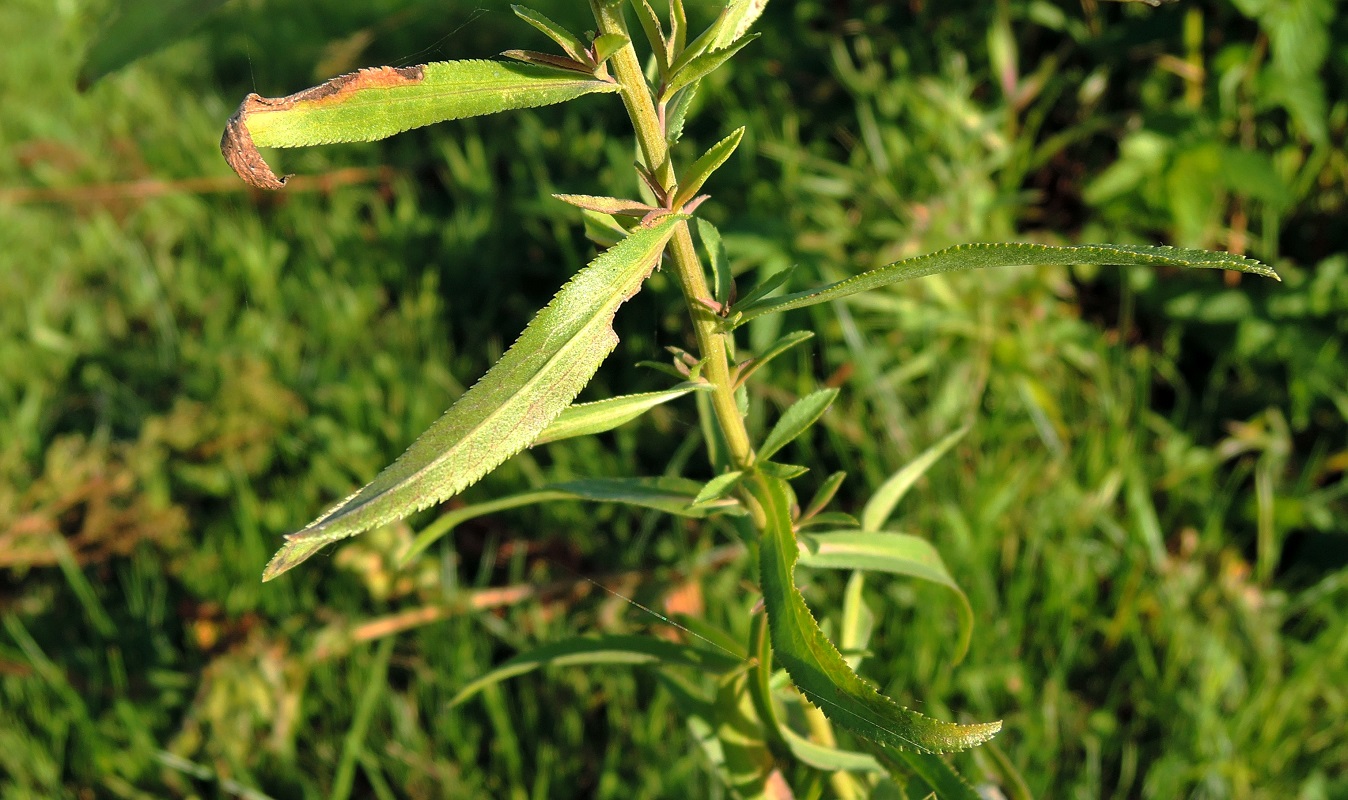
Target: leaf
(676, 113)
(881, 505)
(702, 66)
(505, 411)
(718, 487)
(587, 419)
(768, 285)
(895, 553)
(712, 244)
(140, 28)
(775, 349)
(609, 649)
(824, 495)
(798, 418)
(547, 60)
(570, 43)
(607, 205)
(379, 102)
(740, 16)
(703, 168)
(671, 495)
(655, 34)
(945, 783)
(815, 665)
(828, 759)
(980, 256)
(608, 44)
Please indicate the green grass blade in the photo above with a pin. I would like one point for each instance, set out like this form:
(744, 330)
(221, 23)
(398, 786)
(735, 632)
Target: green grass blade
(980, 256)
(379, 102)
(587, 419)
(140, 28)
(611, 649)
(505, 411)
(881, 505)
(703, 168)
(816, 666)
(895, 553)
(798, 418)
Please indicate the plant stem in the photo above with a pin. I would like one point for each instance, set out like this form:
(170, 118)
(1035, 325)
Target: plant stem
(692, 279)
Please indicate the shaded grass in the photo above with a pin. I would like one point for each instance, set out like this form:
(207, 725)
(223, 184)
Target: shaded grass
(218, 368)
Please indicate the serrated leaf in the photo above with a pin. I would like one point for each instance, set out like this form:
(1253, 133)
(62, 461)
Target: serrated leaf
(775, 349)
(570, 43)
(607, 205)
(610, 649)
(895, 553)
(798, 418)
(379, 102)
(587, 419)
(655, 34)
(139, 28)
(505, 411)
(881, 505)
(940, 778)
(816, 666)
(702, 169)
(981, 256)
(668, 494)
(676, 112)
(740, 16)
(702, 66)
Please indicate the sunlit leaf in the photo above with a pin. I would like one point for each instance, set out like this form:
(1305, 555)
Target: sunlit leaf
(587, 419)
(881, 505)
(139, 28)
(796, 420)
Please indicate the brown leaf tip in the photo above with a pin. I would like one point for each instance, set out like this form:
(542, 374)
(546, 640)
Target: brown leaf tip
(240, 152)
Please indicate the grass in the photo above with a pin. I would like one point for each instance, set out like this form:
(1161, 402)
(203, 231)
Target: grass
(187, 375)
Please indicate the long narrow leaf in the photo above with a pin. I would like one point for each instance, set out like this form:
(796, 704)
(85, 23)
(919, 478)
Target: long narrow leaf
(798, 418)
(611, 649)
(815, 665)
(740, 16)
(881, 505)
(570, 43)
(379, 102)
(980, 256)
(702, 66)
(587, 419)
(895, 553)
(504, 412)
(702, 169)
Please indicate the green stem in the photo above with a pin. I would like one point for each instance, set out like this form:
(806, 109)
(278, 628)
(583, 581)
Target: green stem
(692, 279)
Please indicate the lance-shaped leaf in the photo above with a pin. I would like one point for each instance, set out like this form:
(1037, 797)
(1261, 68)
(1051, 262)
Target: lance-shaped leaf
(798, 418)
(816, 666)
(702, 66)
(773, 350)
(895, 553)
(613, 206)
(139, 28)
(722, 279)
(587, 419)
(702, 169)
(379, 102)
(570, 43)
(611, 649)
(504, 412)
(882, 503)
(669, 494)
(980, 256)
(740, 16)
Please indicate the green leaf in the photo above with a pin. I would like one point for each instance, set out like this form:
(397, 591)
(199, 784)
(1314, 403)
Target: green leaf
(815, 665)
(712, 244)
(703, 168)
(881, 505)
(608, 44)
(775, 349)
(941, 779)
(610, 649)
(601, 228)
(702, 66)
(587, 419)
(607, 205)
(676, 112)
(980, 256)
(786, 472)
(828, 759)
(671, 495)
(139, 28)
(740, 16)
(379, 102)
(655, 34)
(570, 43)
(505, 411)
(895, 553)
(548, 60)
(824, 495)
(798, 418)
(766, 287)
(718, 487)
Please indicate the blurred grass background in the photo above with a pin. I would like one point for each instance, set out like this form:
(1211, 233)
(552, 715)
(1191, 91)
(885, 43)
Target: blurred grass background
(1149, 515)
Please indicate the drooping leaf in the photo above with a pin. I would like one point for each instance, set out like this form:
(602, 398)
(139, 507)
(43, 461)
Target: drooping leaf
(980, 256)
(139, 28)
(798, 418)
(379, 102)
(570, 43)
(815, 665)
(895, 553)
(610, 649)
(587, 419)
(505, 411)
(702, 169)
(702, 66)
(881, 505)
